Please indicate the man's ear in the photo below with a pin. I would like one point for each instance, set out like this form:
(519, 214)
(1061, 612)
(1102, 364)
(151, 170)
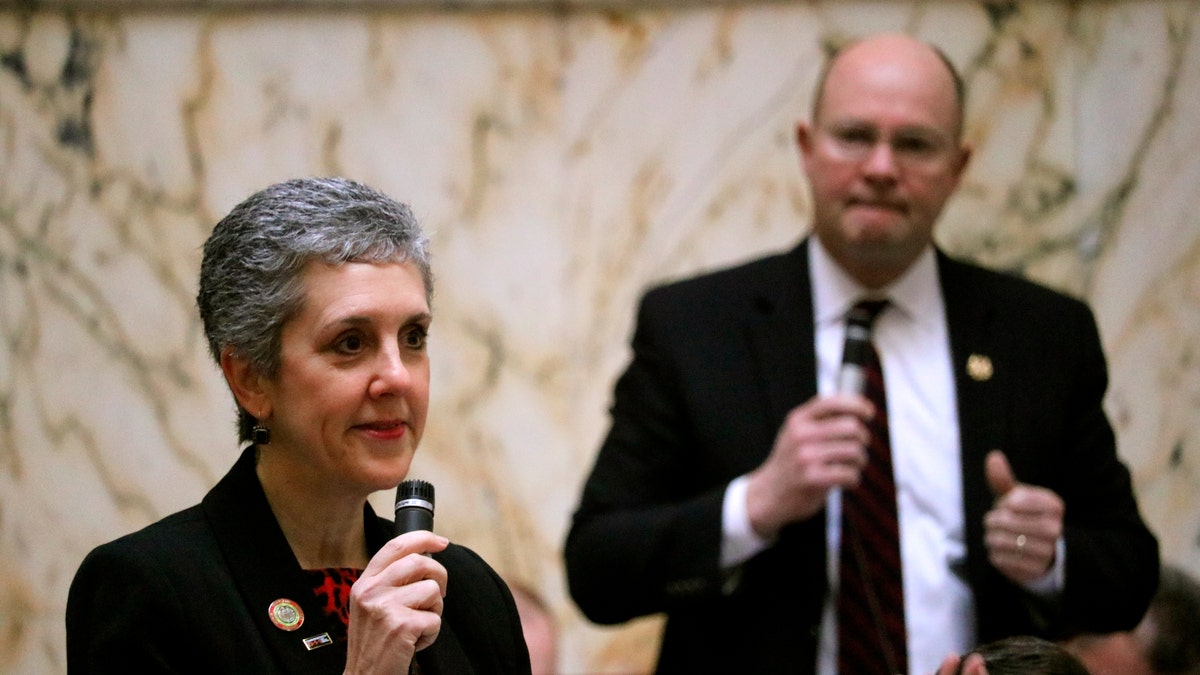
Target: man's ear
(804, 137)
(246, 384)
(805, 141)
(965, 152)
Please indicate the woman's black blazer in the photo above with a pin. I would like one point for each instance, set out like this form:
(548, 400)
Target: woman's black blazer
(191, 592)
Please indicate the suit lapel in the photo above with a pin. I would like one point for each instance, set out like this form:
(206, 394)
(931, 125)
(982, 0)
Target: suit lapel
(446, 656)
(780, 329)
(980, 350)
(265, 569)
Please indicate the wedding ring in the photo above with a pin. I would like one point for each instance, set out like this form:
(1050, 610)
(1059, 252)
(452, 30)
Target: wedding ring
(1020, 542)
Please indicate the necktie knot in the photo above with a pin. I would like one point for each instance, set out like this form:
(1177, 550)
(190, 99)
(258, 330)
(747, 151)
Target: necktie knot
(858, 352)
(864, 313)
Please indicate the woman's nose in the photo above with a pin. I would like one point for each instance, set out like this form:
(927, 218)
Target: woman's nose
(392, 374)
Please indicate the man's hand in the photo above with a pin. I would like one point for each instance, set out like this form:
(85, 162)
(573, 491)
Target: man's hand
(821, 445)
(1022, 529)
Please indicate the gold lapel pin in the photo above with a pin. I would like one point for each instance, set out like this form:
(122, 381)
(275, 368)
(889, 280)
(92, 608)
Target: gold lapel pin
(979, 367)
(286, 614)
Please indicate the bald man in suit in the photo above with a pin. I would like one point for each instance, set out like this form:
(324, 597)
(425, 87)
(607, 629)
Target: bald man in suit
(716, 495)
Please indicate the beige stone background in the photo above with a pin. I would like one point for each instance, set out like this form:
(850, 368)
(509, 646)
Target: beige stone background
(564, 156)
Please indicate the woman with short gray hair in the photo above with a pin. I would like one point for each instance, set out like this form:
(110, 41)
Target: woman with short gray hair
(315, 298)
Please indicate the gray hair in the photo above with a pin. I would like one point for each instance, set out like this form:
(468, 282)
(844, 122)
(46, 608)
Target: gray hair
(250, 276)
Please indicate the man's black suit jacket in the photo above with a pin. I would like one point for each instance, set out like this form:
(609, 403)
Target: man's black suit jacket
(719, 360)
(190, 594)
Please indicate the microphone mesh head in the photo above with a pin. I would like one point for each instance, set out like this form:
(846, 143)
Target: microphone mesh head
(415, 489)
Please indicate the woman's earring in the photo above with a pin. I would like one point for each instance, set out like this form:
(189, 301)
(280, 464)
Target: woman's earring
(260, 435)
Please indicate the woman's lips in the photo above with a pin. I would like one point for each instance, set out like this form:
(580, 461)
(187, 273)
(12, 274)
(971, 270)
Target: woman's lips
(384, 430)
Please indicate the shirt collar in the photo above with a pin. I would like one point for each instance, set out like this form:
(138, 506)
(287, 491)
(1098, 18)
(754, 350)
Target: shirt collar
(916, 293)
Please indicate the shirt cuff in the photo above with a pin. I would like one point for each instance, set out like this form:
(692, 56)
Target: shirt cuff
(1053, 582)
(739, 541)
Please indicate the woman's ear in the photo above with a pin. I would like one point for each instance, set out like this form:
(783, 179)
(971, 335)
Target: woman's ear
(247, 385)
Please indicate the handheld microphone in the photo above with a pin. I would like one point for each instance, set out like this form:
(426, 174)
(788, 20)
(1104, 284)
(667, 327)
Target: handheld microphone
(851, 378)
(414, 506)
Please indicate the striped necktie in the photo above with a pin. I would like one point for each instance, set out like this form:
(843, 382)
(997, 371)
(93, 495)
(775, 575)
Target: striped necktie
(871, 633)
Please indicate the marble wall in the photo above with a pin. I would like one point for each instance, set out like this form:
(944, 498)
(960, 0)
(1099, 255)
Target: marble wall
(564, 158)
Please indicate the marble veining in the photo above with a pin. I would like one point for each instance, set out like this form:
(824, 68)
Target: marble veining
(564, 159)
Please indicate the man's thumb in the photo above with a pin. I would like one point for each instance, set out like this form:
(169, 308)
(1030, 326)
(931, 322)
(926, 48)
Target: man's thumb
(1000, 476)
